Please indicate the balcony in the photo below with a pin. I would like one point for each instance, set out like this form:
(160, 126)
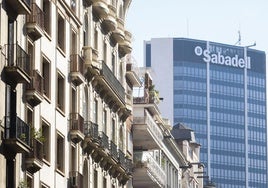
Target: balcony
(33, 160)
(109, 23)
(122, 159)
(118, 35)
(132, 76)
(124, 177)
(35, 23)
(104, 142)
(147, 172)
(34, 90)
(113, 151)
(76, 69)
(100, 9)
(113, 171)
(125, 46)
(76, 179)
(19, 6)
(76, 127)
(107, 162)
(146, 133)
(150, 101)
(17, 135)
(17, 69)
(91, 140)
(92, 65)
(109, 88)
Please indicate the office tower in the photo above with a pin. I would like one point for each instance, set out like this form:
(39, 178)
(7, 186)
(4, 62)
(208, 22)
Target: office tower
(219, 91)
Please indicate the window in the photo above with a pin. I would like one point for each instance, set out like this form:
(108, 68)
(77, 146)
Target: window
(130, 141)
(104, 121)
(96, 40)
(73, 158)
(121, 138)
(104, 182)
(46, 144)
(113, 130)
(73, 101)
(121, 77)
(73, 47)
(47, 15)
(30, 51)
(60, 153)
(105, 52)
(74, 6)
(46, 76)
(86, 34)
(113, 63)
(60, 92)
(95, 111)
(61, 32)
(95, 179)
(29, 116)
(29, 180)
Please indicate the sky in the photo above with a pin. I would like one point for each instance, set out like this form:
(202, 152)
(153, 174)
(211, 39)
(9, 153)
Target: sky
(213, 20)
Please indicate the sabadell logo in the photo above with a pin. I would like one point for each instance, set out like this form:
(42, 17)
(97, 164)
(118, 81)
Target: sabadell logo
(218, 58)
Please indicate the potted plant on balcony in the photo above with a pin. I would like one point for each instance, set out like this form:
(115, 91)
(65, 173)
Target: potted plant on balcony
(22, 184)
(22, 137)
(153, 94)
(37, 134)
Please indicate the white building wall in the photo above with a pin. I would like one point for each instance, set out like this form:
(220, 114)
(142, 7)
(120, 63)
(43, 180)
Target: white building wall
(162, 59)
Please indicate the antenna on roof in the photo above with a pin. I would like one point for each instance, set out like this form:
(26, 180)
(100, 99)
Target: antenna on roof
(239, 38)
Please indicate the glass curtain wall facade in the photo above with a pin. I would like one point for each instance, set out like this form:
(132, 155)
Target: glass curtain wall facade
(220, 92)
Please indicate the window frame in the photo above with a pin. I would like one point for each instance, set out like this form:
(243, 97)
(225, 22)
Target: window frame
(47, 143)
(61, 34)
(60, 168)
(47, 22)
(46, 79)
(60, 92)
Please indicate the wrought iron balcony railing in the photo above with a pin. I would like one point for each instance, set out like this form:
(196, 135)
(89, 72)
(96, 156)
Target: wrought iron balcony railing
(113, 150)
(129, 166)
(122, 159)
(104, 141)
(17, 129)
(91, 130)
(113, 81)
(76, 63)
(37, 150)
(36, 16)
(17, 57)
(76, 122)
(36, 82)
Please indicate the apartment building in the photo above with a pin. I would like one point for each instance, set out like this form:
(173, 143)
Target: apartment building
(67, 117)
(161, 159)
(64, 115)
